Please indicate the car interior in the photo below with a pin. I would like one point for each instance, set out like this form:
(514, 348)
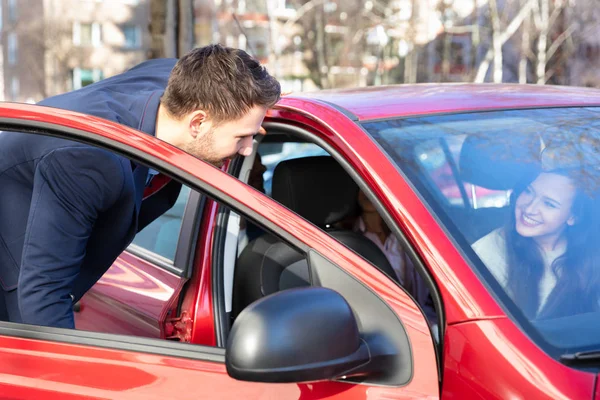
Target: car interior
(315, 186)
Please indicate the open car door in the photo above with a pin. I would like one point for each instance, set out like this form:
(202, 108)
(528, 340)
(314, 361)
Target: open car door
(352, 334)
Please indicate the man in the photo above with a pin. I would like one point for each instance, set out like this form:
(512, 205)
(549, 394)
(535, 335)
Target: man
(67, 210)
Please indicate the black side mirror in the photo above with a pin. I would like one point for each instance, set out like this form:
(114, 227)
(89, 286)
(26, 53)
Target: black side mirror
(296, 335)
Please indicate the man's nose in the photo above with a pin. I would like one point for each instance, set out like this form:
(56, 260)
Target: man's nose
(246, 146)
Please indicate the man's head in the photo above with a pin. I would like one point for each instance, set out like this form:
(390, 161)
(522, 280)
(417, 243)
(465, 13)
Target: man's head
(215, 102)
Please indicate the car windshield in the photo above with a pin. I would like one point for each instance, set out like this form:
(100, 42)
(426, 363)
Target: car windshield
(518, 191)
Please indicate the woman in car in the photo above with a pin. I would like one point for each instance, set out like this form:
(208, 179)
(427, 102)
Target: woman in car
(547, 257)
(371, 225)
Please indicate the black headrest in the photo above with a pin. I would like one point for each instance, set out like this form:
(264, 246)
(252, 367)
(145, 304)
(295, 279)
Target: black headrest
(498, 162)
(317, 188)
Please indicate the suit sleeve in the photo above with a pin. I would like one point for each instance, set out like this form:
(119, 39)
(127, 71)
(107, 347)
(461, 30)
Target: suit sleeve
(71, 187)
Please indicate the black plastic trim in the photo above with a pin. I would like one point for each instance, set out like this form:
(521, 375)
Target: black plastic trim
(188, 234)
(218, 273)
(341, 109)
(222, 323)
(379, 325)
(154, 258)
(112, 341)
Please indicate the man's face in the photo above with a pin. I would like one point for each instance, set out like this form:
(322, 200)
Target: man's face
(216, 144)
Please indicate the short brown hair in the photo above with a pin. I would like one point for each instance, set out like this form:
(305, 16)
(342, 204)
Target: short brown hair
(224, 82)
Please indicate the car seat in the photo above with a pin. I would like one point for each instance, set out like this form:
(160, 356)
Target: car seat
(318, 189)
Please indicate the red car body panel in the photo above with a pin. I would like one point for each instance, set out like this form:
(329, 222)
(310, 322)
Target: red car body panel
(478, 354)
(485, 354)
(129, 299)
(198, 301)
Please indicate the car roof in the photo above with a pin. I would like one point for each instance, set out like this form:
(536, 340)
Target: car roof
(376, 102)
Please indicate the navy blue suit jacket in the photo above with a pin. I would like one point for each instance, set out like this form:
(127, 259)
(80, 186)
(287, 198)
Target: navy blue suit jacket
(67, 210)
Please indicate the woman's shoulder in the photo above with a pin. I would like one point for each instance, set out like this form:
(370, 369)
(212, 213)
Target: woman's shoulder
(491, 249)
(493, 239)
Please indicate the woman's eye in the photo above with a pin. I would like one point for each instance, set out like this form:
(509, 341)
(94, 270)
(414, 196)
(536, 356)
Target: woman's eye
(549, 204)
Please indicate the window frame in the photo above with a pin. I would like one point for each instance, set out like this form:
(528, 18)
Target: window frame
(95, 34)
(182, 265)
(97, 75)
(13, 11)
(138, 36)
(12, 48)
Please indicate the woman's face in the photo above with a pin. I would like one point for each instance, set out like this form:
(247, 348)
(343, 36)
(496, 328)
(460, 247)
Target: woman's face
(543, 210)
(364, 203)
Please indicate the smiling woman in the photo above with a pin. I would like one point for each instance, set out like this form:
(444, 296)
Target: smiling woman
(548, 243)
(537, 243)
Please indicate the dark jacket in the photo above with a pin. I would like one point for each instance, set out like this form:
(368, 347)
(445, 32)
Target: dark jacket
(67, 210)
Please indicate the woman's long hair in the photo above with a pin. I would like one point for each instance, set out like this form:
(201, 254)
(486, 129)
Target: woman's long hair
(577, 270)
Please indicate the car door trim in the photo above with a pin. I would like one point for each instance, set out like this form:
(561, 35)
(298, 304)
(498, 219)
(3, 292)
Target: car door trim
(113, 341)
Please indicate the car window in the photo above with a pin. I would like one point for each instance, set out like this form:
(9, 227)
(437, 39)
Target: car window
(533, 226)
(161, 236)
(439, 159)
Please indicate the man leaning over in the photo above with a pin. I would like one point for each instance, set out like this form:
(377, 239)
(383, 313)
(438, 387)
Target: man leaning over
(67, 209)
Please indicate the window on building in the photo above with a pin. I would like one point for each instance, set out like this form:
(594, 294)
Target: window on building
(256, 7)
(83, 77)
(12, 10)
(15, 86)
(12, 48)
(86, 34)
(132, 36)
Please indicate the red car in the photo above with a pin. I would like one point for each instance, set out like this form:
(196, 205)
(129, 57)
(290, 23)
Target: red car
(238, 294)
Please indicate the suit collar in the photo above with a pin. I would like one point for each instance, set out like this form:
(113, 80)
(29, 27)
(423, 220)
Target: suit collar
(149, 110)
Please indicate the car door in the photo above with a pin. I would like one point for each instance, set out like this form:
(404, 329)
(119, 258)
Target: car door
(40, 362)
(134, 296)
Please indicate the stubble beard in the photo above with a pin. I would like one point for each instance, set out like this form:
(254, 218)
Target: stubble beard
(203, 148)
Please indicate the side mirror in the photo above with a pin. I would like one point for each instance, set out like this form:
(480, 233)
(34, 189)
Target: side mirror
(296, 335)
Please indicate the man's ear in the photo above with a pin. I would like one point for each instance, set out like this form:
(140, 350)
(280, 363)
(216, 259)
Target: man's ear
(197, 118)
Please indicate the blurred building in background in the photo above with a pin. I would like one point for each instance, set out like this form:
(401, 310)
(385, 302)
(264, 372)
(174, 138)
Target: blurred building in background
(53, 46)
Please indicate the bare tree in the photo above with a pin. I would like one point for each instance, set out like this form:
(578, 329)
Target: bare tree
(171, 27)
(333, 37)
(547, 19)
(501, 37)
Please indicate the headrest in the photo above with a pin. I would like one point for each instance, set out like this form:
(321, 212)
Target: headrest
(317, 188)
(498, 163)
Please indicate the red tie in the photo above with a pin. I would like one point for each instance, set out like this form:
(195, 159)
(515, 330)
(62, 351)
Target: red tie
(158, 182)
